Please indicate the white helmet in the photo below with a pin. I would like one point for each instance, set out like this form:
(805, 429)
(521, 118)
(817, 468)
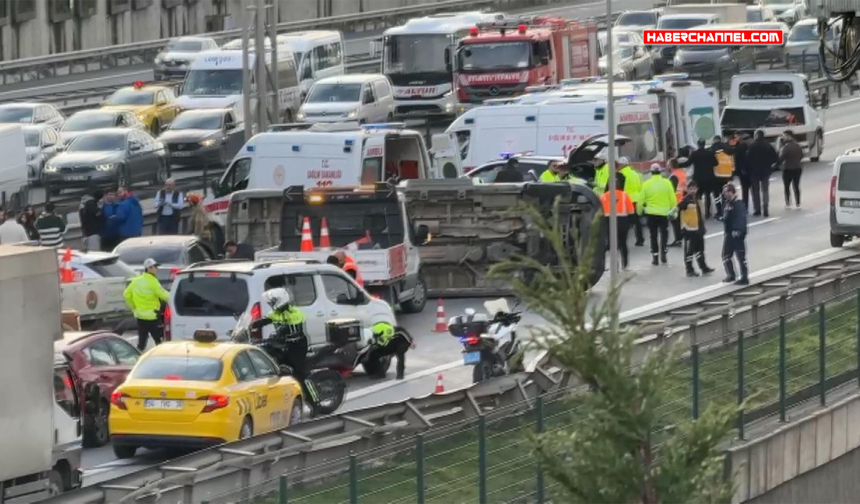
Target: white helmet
(277, 298)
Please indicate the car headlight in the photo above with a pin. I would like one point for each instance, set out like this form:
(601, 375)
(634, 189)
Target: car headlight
(209, 142)
(105, 167)
(301, 116)
(158, 59)
(49, 168)
(352, 114)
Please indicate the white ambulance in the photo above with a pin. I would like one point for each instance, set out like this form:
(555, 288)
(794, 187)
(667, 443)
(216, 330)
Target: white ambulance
(658, 120)
(322, 155)
(418, 56)
(215, 81)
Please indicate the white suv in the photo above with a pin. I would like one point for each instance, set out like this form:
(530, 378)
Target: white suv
(212, 295)
(845, 198)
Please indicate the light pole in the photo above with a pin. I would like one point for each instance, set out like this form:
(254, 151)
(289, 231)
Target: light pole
(610, 121)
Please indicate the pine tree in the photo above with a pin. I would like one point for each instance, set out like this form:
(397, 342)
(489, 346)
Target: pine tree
(615, 448)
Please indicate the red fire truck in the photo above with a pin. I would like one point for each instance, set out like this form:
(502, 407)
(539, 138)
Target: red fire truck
(500, 59)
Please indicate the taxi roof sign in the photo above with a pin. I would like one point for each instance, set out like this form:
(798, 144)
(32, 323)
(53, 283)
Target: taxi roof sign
(205, 336)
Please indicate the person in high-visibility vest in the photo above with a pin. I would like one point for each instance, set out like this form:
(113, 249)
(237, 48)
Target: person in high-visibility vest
(678, 178)
(390, 340)
(144, 296)
(556, 171)
(658, 201)
(693, 230)
(625, 211)
(346, 263)
(601, 178)
(724, 169)
(633, 188)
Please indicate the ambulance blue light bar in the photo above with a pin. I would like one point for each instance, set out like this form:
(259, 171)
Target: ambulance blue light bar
(506, 155)
(383, 126)
(250, 148)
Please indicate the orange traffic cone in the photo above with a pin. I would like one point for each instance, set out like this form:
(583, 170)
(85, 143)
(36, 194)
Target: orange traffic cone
(67, 274)
(441, 325)
(307, 239)
(325, 242)
(440, 386)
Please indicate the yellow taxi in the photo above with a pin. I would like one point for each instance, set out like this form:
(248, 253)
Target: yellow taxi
(154, 105)
(200, 393)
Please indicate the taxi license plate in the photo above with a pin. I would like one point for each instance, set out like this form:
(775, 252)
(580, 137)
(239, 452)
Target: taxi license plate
(471, 357)
(170, 404)
(181, 154)
(76, 177)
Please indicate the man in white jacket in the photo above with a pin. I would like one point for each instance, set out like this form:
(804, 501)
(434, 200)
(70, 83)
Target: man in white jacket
(11, 232)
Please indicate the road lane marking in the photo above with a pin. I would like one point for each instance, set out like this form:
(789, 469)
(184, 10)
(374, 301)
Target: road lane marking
(839, 130)
(754, 224)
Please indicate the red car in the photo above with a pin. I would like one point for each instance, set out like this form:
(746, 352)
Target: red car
(101, 358)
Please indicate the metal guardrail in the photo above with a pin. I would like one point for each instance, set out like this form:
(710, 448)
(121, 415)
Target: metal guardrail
(40, 67)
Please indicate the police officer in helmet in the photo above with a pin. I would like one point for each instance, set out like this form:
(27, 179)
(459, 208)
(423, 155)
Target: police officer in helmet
(290, 339)
(388, 340)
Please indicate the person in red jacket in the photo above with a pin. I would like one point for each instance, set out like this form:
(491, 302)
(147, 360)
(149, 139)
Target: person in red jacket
(346, 263)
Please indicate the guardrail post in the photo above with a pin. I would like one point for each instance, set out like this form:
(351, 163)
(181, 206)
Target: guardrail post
(482, 459)
(822, 348)
(353, 479)
(283, 490)
(419, 466)
(741, 384)
(782, 368)
(695, 357)
(539, 428)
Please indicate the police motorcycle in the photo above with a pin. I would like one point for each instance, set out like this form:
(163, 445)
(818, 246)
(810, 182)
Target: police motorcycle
(490, 345)
(323, 389)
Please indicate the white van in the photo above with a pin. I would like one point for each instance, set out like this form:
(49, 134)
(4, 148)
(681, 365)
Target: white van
(215, 81)
(845, 198)
(365, 98)
(552, 125)
(13, 167)
(775, 102)
(322, 155)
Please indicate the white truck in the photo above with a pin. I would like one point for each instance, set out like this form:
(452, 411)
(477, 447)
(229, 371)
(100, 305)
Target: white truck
(13, 168)
(41, 421)
(659, 116)
(775, 102)
(98, 280)
(371, 223)
(727, 12)
(418, 57)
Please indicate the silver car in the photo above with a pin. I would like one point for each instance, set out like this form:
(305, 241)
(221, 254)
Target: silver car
(88, 120)
(31, 113)
(42, 142)
(175, 60)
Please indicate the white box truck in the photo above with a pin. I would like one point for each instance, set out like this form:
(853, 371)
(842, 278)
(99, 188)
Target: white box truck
(13, 167)
(40, 430)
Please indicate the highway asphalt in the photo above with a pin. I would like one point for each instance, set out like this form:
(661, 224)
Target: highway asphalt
(785, 236)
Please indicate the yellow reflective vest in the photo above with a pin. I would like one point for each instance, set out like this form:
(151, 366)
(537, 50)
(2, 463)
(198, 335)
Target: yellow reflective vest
(601, 178)
(144, 295)
(632, 183)
(549, 177)
(658, 196)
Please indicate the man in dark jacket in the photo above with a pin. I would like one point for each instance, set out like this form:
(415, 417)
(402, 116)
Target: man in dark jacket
(790, 157)
(693, 229)
(92, 222)
(760, 160)
(510, 172)
(703, 161)
(239, 250)
(734, 238)
(129, 215)
(110, 227)
(741, 142)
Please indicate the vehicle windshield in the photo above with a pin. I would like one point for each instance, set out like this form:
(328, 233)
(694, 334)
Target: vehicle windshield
(32, 138)
(136, 253)
(185, 46)
(210, 121)
(111, 267)
(495, 56)
(636, 19)
(211, 296)
(348, 222)
(324, 93)
(702, 48)
(415, 54)
(623, 52)
(766, 90)
(734, 118)
(803, 33)
(679, 23)
(178, 368)
(213, 82)
(132, 97)
(98, 142)
(88, 121)
(754, 16)
(849, 177)
(16, 114)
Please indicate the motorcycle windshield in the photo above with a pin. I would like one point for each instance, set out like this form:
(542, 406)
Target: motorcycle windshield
(242, 332)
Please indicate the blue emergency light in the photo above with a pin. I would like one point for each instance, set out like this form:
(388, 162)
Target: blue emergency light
(382, 126)
(250, 148)
(349, 142)
(506, 155)
(296, 148)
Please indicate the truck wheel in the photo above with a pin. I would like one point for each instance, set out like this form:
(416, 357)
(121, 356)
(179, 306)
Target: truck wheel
(96, 431)
(819, 147)
(55, 483)
(124, 452)
(419, 298)
(377, 368)
(836, 240)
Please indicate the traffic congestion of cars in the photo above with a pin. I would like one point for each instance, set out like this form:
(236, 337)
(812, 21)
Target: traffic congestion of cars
(334, 130)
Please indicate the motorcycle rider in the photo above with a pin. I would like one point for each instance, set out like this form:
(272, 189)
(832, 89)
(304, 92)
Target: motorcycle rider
(387, 340)
(289, 324)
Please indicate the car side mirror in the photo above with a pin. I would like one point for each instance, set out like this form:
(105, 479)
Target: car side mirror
(533, 176)
(134, 147)
(342, 299)
(448, 65)
(422, 234)
(285, 370)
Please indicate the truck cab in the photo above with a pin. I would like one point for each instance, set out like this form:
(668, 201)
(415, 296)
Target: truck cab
(502, 58)
(774, 103)
(323, 155)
